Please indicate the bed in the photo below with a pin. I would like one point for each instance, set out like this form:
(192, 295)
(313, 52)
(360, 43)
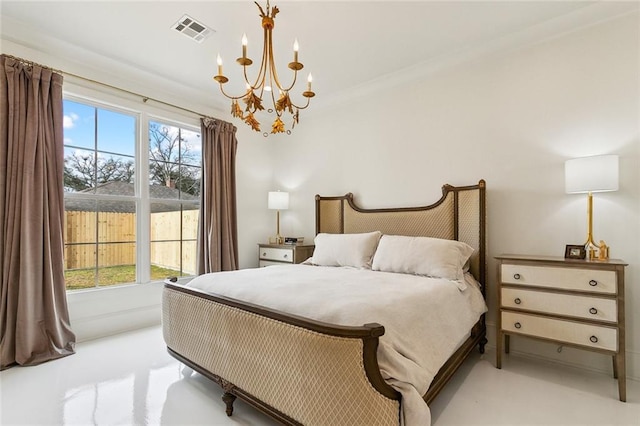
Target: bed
(279, 355)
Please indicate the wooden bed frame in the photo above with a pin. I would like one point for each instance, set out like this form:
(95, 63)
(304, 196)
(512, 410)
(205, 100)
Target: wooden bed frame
(301, 371)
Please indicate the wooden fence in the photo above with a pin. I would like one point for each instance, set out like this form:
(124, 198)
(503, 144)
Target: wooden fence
(115, 234)
(165, 240)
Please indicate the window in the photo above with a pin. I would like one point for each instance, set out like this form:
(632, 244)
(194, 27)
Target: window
(103, 199)
(175, 157)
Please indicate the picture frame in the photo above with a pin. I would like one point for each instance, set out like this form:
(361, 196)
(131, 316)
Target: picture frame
(573, 251)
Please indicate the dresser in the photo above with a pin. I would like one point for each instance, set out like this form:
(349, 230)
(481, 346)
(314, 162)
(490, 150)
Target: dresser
(576, 303)
(279, 254)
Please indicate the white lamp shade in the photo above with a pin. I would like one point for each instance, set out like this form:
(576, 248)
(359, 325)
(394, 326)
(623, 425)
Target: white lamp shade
(278, 200)
(591, 174)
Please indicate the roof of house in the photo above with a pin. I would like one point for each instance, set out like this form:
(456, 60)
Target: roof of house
(128, 189)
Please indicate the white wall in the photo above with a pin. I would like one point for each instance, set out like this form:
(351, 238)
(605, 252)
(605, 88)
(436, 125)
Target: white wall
(512, 119)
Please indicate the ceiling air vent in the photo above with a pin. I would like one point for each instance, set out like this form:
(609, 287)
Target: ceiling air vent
(191, 28)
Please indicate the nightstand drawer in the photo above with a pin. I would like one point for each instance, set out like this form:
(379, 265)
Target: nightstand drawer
(593, 336)
(594, 308)
(263, 263)
(277, 254)
(596, 281)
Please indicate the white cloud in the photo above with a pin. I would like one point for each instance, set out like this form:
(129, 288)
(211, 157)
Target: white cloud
(70, 120)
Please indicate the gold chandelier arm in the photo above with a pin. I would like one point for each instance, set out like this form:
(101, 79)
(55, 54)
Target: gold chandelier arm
(293, 83)
(246, 77)
(273, 95)
(235, 98)
(302, 107)
(273, 73)
(274, 70)
(262, 72)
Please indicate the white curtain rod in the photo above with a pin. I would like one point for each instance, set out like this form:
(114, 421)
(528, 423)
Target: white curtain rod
(143, 97)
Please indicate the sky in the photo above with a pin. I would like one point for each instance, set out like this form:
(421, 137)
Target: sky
(116, 131)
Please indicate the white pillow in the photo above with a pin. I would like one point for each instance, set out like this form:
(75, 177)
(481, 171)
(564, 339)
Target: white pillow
(431, 257)
(354, 250)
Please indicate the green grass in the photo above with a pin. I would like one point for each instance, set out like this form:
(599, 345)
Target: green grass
(113, 275)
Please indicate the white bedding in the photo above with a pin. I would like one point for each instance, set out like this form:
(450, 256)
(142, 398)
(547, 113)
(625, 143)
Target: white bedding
(425, 319)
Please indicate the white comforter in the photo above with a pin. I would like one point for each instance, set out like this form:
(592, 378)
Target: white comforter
(425, 319)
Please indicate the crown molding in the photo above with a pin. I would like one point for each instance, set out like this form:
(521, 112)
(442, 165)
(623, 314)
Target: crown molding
(78, 60)
(577, 20)
(21, 40)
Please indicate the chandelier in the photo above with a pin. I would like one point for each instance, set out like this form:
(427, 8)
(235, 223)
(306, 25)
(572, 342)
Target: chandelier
(266, 83)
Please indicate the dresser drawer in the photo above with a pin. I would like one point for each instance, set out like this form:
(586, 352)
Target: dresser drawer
(592, 336)
(596, 281)
(277, 254)
(594, 308)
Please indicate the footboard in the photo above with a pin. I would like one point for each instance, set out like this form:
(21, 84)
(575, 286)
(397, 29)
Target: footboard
(299, 371)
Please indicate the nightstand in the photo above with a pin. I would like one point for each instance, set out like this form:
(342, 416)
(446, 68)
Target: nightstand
(280, 254)
(569, 302)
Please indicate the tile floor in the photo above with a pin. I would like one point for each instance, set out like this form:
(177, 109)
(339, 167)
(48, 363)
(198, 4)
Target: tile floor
(129, 379)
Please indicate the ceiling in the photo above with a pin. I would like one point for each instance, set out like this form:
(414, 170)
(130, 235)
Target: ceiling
(349, 46)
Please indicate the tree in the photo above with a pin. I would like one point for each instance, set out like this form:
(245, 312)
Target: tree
(169, 153)
(72, 182)
(83, 171)
(172, 163)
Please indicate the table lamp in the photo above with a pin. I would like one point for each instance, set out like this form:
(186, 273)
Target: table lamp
(589, 175)
(278, 201)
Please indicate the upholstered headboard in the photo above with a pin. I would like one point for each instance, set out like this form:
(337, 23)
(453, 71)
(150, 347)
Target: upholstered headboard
(458, 215)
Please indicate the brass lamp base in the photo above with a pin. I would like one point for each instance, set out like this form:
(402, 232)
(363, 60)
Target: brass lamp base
(278, 238)
(591, 247)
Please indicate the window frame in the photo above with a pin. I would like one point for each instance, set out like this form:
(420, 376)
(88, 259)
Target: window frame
(144, 113)
(173, 201)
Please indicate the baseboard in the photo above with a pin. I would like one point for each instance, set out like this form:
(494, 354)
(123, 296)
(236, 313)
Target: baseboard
(105, 312)
(115, 323)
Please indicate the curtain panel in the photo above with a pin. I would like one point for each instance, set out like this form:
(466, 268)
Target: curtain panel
(34, 319)
(217, 227)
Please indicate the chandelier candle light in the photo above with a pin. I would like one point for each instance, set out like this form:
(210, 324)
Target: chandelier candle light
(266, 81)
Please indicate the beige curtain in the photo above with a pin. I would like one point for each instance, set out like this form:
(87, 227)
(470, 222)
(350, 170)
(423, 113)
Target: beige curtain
(217, 228)
(34, 320)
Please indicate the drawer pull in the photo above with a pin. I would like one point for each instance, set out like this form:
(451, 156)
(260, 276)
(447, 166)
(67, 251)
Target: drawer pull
(593, 339)
(593, 283)
(518, 325)
(285, 256)
(516, 276)
(264, 254)
(517, 301)
(593, 311)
